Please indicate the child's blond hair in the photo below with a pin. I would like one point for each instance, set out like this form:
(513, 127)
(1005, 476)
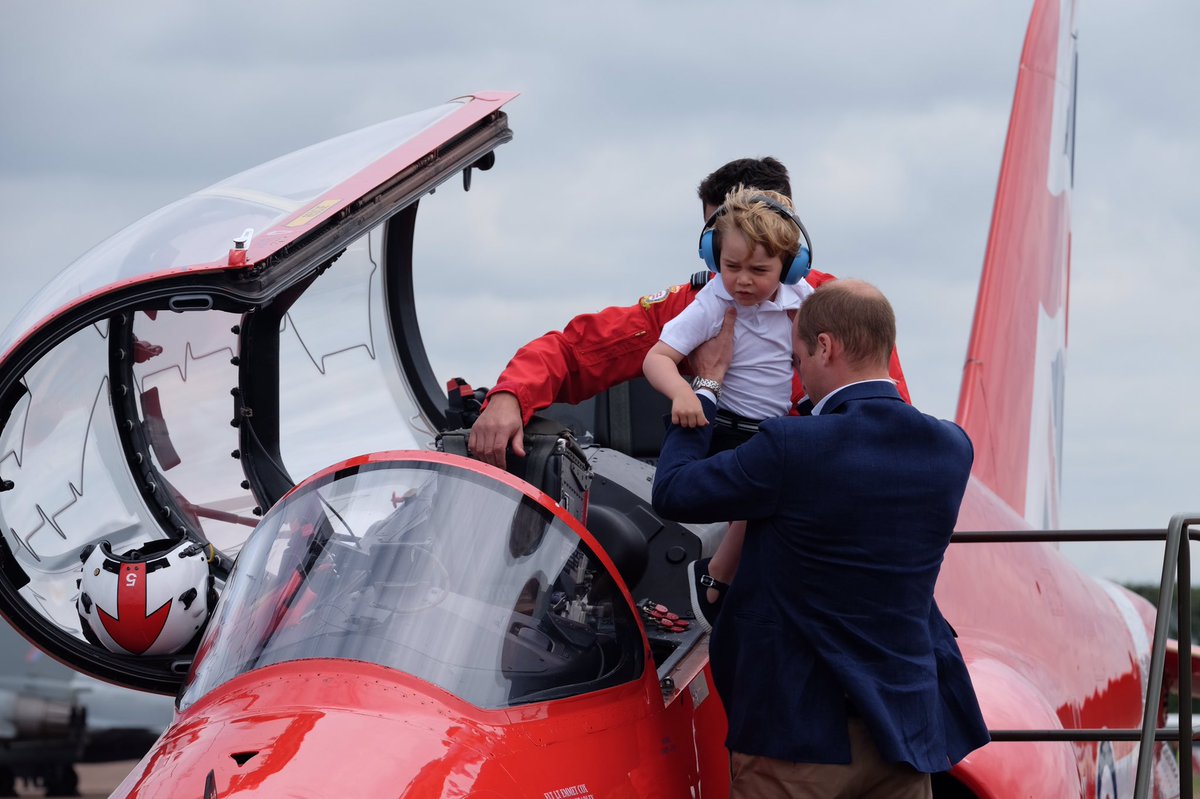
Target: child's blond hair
(759, 222)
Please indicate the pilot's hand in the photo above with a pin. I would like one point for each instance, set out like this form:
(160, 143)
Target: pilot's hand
(686, 410)
(144, 350)
(498, 426)
(711, 359)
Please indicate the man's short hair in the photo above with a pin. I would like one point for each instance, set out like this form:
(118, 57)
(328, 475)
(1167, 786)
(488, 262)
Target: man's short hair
(856, 314)
(758, 222)
(759, 173)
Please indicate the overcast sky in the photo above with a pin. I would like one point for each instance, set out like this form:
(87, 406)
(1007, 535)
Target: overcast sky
(890, 115)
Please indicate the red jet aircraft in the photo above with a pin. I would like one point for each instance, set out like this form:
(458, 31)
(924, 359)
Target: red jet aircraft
(418, 624)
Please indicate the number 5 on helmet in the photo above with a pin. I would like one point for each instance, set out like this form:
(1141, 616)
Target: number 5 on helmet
(153, 600)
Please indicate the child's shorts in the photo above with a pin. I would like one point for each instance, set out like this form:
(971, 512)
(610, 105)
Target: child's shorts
(730, 431)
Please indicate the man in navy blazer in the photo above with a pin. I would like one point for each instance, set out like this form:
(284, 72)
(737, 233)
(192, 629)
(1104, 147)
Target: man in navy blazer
(830, 649)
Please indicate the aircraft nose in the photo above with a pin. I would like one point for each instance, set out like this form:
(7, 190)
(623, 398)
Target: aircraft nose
(368, 738)
(312, 753)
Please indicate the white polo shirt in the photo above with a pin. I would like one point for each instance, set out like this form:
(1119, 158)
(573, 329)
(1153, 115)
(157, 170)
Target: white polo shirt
(758, 384)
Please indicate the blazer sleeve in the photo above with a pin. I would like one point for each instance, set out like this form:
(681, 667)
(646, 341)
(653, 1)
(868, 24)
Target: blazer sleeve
(742, 483)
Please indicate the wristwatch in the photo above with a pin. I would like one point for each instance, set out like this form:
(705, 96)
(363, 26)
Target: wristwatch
(707, 383)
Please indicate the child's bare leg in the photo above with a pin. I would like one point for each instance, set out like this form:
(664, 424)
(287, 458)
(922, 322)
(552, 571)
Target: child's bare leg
(725, 560)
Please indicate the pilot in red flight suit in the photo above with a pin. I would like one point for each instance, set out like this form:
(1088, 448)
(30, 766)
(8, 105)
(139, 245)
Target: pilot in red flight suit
(595, 352)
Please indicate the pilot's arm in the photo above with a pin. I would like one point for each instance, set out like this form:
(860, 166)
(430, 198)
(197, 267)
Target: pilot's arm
(593, 353)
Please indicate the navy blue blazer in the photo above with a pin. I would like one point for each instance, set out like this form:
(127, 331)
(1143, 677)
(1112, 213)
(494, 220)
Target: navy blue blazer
(832, 610)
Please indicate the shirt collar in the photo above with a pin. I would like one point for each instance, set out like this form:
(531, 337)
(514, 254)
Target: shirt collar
(820, 406)
(787, 298)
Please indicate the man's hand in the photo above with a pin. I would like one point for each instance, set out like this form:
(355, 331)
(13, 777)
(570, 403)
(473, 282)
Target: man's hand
(712, 358)
(498, 426)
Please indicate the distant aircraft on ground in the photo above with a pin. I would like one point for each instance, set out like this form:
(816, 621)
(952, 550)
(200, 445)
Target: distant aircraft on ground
(52, 718)
(415, 623)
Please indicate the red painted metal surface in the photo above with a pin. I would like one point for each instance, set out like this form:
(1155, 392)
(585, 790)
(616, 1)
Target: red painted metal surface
(340, 728)
(1047, 648)
(1024, 279)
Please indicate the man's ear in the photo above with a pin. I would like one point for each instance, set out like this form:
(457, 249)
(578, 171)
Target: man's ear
(825, 346)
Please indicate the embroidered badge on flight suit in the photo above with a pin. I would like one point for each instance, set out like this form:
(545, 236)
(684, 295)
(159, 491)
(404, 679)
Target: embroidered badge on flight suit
(659, 296)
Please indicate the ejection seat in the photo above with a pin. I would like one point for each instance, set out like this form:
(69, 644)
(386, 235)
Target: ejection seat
(555, 463)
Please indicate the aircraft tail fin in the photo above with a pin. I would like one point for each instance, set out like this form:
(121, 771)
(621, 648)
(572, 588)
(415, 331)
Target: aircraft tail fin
(1011, 398)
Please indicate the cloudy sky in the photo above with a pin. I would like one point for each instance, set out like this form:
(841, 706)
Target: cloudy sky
(891, 116)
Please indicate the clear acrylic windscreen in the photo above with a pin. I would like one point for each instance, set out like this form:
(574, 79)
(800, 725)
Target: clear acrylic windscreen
(431, 569)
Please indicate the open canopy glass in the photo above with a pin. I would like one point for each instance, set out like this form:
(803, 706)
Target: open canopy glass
(181, 377)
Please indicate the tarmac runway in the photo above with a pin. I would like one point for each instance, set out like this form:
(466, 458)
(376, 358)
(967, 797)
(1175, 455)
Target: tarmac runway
(96, 780)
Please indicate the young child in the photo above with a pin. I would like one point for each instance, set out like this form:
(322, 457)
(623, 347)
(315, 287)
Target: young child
(756, 250)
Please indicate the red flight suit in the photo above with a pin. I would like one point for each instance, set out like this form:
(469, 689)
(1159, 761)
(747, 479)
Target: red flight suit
(597, 351)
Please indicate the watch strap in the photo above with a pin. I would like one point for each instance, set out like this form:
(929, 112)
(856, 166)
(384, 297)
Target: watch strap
(708, 384)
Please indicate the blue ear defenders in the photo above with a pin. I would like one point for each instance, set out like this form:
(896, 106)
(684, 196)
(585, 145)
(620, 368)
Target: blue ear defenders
(795, 266)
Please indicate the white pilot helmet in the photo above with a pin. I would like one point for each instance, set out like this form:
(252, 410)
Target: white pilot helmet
(152, 600)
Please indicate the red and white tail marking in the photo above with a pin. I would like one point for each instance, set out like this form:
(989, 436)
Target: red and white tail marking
(1012, 391)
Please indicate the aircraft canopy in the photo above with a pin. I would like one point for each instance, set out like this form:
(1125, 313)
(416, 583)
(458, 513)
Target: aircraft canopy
(181, 377)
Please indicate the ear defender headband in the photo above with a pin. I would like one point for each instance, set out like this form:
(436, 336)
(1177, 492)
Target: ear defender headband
(795, 266)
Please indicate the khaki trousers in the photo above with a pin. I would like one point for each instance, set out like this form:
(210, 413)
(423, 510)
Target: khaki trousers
(867, 776)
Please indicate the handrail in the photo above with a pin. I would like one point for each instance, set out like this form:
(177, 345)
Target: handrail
(1184, 631)
(1177, 563)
